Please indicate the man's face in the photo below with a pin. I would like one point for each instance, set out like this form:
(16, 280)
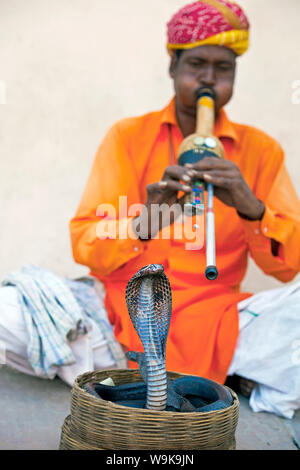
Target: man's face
(210, 66)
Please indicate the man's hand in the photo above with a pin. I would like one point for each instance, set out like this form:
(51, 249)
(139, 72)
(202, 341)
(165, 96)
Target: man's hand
(175, 178)
(229, 186)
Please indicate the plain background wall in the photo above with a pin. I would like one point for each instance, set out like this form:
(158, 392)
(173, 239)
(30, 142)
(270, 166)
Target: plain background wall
(74, 67)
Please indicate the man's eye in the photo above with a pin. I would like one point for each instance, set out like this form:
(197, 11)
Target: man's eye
(194, 63)
(224, 67)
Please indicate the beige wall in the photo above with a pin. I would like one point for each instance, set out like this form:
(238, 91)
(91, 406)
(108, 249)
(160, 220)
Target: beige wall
(73, 67)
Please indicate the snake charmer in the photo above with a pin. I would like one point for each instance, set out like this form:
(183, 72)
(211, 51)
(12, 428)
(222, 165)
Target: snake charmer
(217, 331)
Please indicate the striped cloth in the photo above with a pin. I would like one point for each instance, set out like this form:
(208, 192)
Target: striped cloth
(93, 307)
(56, 311)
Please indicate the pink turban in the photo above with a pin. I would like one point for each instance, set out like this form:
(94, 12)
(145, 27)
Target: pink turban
(209, 22)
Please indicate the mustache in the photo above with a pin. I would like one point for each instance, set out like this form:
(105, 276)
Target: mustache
(205, 89)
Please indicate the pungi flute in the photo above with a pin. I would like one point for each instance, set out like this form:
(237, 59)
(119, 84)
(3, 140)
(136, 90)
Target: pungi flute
(193, 149)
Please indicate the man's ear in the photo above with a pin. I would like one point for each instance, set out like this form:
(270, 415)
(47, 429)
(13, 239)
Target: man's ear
(173, 65)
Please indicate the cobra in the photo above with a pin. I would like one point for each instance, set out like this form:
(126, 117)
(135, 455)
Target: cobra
(149, 303)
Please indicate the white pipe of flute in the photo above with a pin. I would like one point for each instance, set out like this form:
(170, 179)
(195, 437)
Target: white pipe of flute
(210, 235)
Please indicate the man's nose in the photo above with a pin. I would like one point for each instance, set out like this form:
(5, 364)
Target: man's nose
(207, 77)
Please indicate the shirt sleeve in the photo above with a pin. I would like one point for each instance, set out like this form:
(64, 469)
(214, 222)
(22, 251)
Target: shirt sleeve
(274, 242)
(101, 233)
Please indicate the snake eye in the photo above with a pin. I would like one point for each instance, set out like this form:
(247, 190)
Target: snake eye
(157, 268)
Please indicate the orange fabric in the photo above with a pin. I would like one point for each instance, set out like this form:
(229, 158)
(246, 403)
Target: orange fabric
(204, 324)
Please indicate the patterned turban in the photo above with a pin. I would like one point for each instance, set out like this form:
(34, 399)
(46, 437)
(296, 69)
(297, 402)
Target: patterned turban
(209, 22)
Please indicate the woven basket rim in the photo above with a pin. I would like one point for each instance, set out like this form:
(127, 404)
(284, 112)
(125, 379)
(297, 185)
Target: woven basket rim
(80, 380)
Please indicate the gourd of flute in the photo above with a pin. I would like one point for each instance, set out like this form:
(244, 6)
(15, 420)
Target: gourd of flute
(194, 148)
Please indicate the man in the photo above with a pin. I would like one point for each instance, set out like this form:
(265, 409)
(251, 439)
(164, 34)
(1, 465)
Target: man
(257, 211)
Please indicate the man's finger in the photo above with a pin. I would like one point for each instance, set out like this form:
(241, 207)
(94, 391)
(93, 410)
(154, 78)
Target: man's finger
(175, 186)
(176, 172)
(215, 172)
(167, 186)
(219, 181)
(213, 163)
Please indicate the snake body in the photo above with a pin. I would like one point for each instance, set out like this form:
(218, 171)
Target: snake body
(149, 303)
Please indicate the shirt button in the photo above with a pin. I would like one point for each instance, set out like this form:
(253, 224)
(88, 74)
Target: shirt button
(265, 229)
(136, 248)
(256, 231)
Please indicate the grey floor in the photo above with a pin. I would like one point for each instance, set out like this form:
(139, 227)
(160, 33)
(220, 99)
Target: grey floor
(33, 411)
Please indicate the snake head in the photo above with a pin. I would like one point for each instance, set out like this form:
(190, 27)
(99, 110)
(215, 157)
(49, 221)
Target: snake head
(148, 294)
(149, 270)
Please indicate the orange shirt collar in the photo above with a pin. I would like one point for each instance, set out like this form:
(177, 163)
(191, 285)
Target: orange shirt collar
(223, 126)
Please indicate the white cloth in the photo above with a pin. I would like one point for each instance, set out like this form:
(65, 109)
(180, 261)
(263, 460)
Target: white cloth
(90, 351)
(268, 349)
(51, 313)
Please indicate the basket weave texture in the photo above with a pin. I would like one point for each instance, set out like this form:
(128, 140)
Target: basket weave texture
(96, 424)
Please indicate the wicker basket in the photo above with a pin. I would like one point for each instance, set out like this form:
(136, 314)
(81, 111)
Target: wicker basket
(96, 424)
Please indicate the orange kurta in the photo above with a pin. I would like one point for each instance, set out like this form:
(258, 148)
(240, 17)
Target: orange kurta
(204, 323)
